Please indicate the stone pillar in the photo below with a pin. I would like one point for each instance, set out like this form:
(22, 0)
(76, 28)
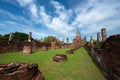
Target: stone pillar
(67, 40)
(30, 37)
(10, 42)
(11, 36)
(27, 48)
(91, 40)
(85, 41)
(98, 36)
(104, 34)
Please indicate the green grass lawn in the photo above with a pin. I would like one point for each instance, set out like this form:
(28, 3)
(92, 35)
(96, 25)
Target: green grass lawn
(79, 65)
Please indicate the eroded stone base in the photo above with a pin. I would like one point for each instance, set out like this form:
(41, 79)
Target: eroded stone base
(20, 71)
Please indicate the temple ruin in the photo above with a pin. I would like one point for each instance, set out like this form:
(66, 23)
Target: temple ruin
(77, 41)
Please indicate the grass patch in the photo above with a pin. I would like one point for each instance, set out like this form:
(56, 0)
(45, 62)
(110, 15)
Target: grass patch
(79, 65)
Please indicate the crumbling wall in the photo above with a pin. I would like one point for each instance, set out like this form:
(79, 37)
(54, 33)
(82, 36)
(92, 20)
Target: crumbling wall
(17, 46)
(108, 56)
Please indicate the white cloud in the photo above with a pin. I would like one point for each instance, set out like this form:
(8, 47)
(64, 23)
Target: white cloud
(90, 17)
(94, 15)
(24, 3)
(39, 15)
(59, 8)
(31, 6)
(44, 16)
(34, 10)
(58, 23)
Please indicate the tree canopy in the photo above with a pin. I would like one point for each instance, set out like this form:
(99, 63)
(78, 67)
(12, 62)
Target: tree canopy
(48, 39)
(18, 36)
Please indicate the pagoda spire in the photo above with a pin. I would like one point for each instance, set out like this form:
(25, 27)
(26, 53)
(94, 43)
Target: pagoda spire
(77, 29)
(78, 33)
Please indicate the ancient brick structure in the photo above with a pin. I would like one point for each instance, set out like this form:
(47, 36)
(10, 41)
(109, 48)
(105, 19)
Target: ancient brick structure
(62, 44)
(17, 46)
(53, 44)
(5, 47)
(60, 58)
(77, 41)
(71, 51)
(104, 34)
(108, 57)
(20, 71)
(11, 46)
(84, 41)
(98, 36)
(25, 46)
(45, 47)
(27, 49)
(35, 45)
(30, 37)
(11, 37)
(91, 41)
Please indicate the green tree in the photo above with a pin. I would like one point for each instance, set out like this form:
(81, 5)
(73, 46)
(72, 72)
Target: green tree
(97, 44)
(3, 38)
(48, 39)
(18, 36)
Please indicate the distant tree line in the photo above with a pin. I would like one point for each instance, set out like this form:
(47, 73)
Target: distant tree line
(48, 39)
(18, 36)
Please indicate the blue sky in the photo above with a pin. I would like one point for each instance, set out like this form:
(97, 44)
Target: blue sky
(60, 18)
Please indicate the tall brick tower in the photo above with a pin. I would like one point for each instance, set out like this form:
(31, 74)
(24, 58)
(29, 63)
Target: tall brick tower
(77, 41)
